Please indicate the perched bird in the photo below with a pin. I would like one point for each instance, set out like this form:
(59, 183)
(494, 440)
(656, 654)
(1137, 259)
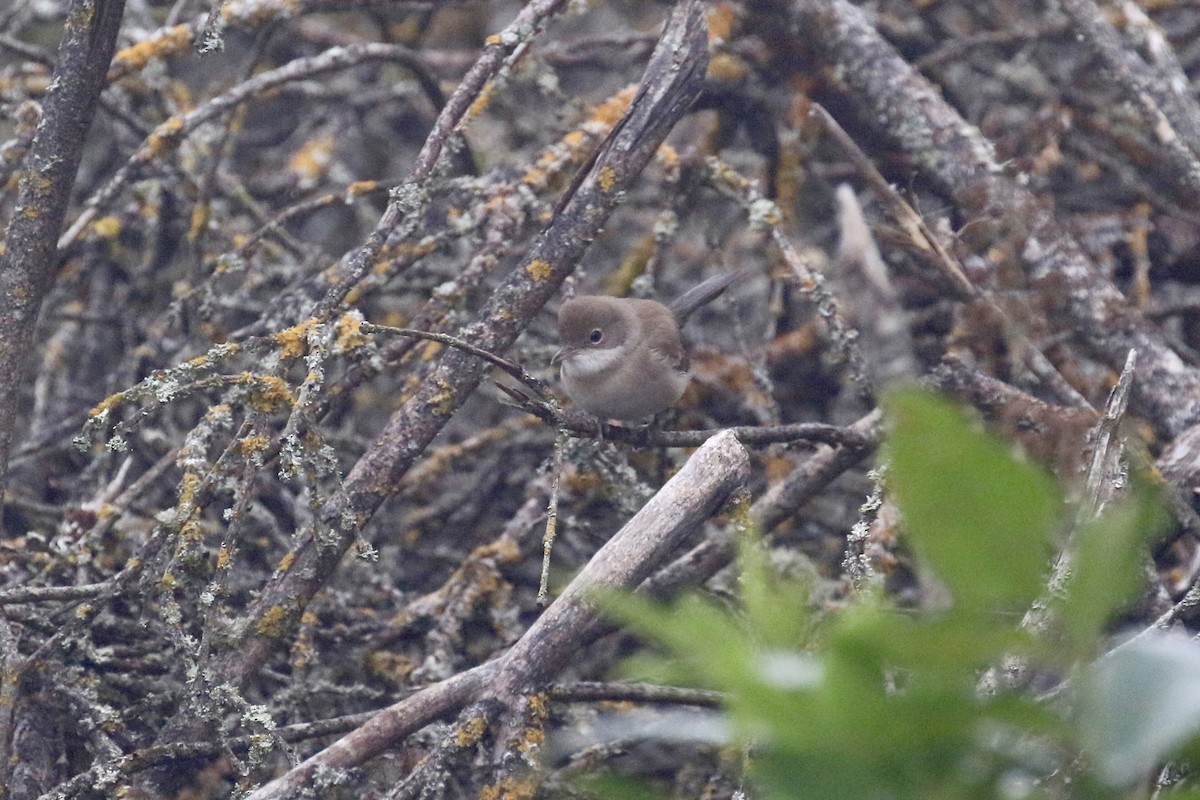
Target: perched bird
(622, 358)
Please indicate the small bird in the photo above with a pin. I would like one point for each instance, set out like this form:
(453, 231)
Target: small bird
(622, 358)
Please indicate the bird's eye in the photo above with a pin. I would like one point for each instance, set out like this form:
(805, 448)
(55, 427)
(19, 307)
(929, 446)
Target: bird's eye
(597, 336)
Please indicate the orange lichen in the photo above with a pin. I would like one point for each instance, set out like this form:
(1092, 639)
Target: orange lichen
(293, 342)
(310, 162)
(667, 156)
(164, 138)
(722, 21)
(170, 41)
(611, 110)
(361, 187)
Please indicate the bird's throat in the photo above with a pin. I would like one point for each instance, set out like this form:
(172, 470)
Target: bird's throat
(590, 363)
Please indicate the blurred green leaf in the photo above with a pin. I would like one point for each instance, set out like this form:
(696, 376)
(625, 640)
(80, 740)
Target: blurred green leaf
(707, 646)
(873, 701)
(1139, 704)
(775, 608)
(607, 784)
(981, 519)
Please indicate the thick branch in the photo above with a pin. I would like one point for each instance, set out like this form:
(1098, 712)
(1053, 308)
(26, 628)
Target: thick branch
(671, 82)
(958, 158)
(703, 485)
(27, 264)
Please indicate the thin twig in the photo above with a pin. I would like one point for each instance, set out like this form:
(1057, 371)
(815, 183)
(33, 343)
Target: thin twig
(560, 445)
(512, 368)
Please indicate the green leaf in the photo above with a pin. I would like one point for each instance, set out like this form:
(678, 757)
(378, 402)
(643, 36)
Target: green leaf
(606, 785)
(776, 607)
(981, 519)
(688, 630)
(1139, 704)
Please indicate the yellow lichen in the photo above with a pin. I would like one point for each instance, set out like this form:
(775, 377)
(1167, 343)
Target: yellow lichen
(429, 350)
(607, 178)
(107, 227)
(361, 187)
(293, 342)
(253, 444)
(538, 269)
(271, 623)
(471, 732)
(201, 213)
(442, 401)
(164, 138)
(189, 484)
(168, 42)
(269, 393)
(728, 67)
(349, 332)
(38, 183)
(481, 103)
(510, 789)
(286, 562)
(390, 666)
(504, 551)
(107, 404)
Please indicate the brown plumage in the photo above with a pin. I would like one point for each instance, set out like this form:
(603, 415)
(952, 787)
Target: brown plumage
(623, 358)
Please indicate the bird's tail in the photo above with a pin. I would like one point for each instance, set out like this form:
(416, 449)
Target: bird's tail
(705, 293)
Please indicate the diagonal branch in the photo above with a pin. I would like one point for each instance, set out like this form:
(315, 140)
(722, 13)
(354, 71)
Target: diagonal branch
(27, 265)
(959, 159)
(709, 478)
(671, 82)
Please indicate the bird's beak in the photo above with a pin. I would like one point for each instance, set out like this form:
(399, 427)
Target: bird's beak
(562, 355)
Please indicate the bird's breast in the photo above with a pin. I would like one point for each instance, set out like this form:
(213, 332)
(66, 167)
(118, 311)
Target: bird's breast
(618, 384)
